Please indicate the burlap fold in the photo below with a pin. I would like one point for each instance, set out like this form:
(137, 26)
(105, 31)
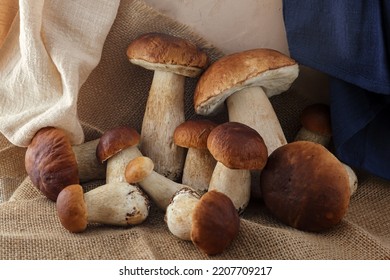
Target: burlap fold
(115, 94)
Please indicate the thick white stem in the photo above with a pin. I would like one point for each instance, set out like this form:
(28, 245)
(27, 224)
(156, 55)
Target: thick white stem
(117, 204)
(234, 183)
(164, 112)
(160, 189)
(306, 135)
(198, 169)
(252, 107)
(116, 165)
(89, 166)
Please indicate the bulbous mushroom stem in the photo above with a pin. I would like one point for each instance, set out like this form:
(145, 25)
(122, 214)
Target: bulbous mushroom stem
(234, 183)
(116, 204)
(252, 107)
(306, 135)
(89, 167)
(158, 187)
(164, 112)
(116, 165)
(198, 169)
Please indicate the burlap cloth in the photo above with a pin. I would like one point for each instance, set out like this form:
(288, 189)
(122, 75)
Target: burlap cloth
(115, 94)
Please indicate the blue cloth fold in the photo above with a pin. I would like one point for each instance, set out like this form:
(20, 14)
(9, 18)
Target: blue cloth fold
(350, 41)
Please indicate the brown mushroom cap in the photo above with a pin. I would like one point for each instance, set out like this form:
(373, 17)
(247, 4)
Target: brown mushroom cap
(158, 51)
(316, 118)
(193, 133)
(50, 162)
(305, 186)
(237, 146)
(115, 140)
(215, 223)
(71, 209)
(138, 169)
(269, 69)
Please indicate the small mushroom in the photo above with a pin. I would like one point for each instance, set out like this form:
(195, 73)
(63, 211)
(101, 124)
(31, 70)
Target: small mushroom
(317, 128)
(305, 186)
(246, 80)
(199, 163)
(117, 147)
(237, 149)
(172, 59)
(159, 188)
(211, 221)
(118, 204)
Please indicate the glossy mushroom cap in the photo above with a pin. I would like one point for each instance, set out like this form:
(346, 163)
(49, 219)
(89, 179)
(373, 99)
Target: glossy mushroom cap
(269, 69)
(115, 140)
(158, 51)
(193, 133)
(305, 186)
(71, 209)
(138, 169)
(237, 146)
(215, 223)
(316, 118)
(50, 162)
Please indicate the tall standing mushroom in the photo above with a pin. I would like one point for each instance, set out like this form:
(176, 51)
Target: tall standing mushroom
(199, 163)
(246, 80)
(172, 59)
(237, 149)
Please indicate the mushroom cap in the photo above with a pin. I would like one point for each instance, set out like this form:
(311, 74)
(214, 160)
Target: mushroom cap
(316, 118)
(115, 140)
(269, 69)
(50, 162)
(237, 146)
(138, 169)
(159, 51)
(215, 223)
(193, 133)
(71, 208)
(305, 186)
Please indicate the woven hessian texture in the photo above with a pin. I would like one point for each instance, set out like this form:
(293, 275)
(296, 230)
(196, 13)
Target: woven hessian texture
(115, 94)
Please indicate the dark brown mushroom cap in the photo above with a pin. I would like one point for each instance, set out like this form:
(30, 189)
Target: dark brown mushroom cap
(215, 223)
(269, 69)
(193, 133)
(152, 50)
(316, 118)
(305, 186)
(237, 146)
(71, 208)
(115, 140)
(50, 162)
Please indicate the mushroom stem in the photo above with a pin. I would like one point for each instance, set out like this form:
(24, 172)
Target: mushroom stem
(158, 187)
(164, 112)
(116, 165)
(306, 135)
(88, 165)
(116, 204)
(8, 10)
(198, 168)
(234, 183)
(252, 107)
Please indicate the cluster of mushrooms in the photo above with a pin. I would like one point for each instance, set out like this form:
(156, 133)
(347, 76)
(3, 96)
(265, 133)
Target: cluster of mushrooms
(200, 173)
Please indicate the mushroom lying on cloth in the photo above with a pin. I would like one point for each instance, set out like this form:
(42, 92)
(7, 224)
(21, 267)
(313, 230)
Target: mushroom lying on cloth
(211, 222)
(52, 163)
(172, 59)
(119, 204)
(246, 80)
(237, 149)
(305, 186)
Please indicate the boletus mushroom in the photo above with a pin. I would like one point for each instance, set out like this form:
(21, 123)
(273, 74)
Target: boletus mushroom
(305, 186)
(118, 204)
(172, 59)
(211, 221)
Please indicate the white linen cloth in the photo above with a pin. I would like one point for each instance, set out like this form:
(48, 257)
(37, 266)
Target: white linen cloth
(51, 48)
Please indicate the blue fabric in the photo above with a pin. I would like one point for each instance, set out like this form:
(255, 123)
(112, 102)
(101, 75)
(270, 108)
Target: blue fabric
(350, 41)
